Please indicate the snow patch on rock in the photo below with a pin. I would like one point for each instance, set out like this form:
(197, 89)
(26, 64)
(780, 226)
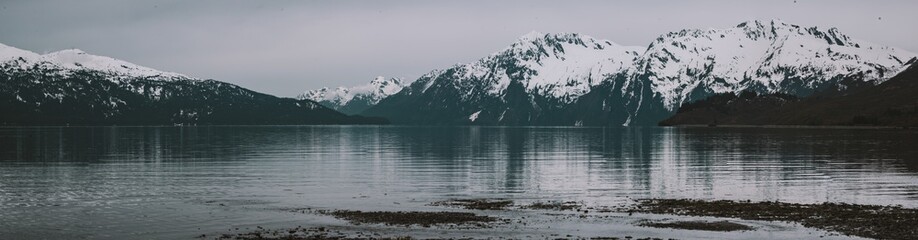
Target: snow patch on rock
(474, 116)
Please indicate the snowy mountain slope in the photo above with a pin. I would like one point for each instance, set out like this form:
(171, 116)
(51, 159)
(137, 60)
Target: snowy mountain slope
(355, 99)
(562, 66)
(765, 56)
(569, 79)
(8, 53)
(76, 60)
(521, 84)
(761, 56)
(73, 87)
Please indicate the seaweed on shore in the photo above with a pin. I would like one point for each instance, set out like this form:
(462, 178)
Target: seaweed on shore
(719, 226)
(560, 206)
(425, 219)
(300, 233)
(477, 204)
(880, 222)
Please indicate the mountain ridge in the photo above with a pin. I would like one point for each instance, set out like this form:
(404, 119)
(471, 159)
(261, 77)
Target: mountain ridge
(76, 59)
(71, 87)
(641, 87)
(356, 99)
(498, 88)
(761, 51)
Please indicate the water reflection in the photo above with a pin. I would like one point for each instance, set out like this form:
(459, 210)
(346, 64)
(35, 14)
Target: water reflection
(56, 176)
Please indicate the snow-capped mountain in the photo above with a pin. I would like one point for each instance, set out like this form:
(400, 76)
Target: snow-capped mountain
(570, 79)
(8, 53)
(561, 66)
(72, 60)
(74, 87)
(765, 56)
(527, 82)
(354, 100)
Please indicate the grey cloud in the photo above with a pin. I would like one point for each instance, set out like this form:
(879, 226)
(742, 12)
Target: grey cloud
(285, 47)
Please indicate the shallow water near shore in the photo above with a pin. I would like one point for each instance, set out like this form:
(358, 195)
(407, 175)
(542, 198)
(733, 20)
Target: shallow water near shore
(182, 182)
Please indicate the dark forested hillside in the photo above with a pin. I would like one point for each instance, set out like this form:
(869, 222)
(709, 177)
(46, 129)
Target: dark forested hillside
(39, 97)
(892, 103)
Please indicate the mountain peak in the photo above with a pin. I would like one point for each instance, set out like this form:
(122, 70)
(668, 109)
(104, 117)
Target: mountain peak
(79, 59)
(382, 81)
(539, 38)
(778, 28)
(531, 36)
(76, 59)
(384, 86)
(764, 56)
(762, 23)
(352, 100)
(562, 66)
(72, 51)
(535, 45)
(767, 28)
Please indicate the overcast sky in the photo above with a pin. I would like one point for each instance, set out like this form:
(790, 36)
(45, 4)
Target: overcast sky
(286, 47)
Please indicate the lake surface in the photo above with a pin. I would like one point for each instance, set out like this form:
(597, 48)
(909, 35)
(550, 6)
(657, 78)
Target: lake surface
(181, 182)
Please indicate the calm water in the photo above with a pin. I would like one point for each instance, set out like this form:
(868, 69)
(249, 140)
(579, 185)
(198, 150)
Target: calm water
(180, 182)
